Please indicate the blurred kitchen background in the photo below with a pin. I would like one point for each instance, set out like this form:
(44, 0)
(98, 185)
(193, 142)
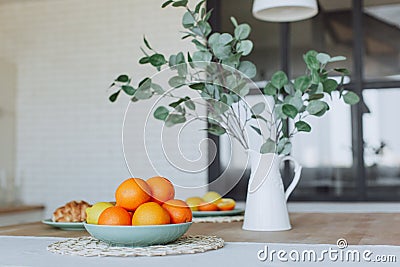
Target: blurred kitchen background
(60, 137)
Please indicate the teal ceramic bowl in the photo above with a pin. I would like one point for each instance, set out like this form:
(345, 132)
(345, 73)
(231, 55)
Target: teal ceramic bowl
(137, 236)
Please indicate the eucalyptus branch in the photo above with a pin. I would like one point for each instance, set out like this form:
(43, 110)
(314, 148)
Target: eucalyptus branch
(293, 100)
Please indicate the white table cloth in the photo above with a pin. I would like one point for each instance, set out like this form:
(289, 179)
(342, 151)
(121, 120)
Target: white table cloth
(31, 251)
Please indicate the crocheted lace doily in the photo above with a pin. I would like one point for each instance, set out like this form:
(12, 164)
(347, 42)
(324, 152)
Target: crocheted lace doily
(90, 247)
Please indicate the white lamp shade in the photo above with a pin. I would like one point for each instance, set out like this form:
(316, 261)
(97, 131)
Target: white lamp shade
(284, 10)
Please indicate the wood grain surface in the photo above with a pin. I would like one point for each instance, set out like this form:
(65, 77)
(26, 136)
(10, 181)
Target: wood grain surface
(308, 228)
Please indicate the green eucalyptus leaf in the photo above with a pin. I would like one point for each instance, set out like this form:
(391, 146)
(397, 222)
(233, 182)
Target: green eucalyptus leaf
(320, 88)
(315, 79)
(214, 39)
(173, 119)
(129, 90)
(256, 129)
(176, 103)
(144, 60)
(205, 27)
(289, 88)
(172, 60)
(180, 58)
(188, 20)
(157, 88)
(351, 98)
(225, 38)
(145, 83)
(180, 3)
(157, 60)
(222, 51)
(289, 110)
(302, 126)
(323, 58)
(258, 108)
(248, 69)
(190, 104)
(233, 60)
(182, 69)
(146, 43)
(199, 45)
(216, 130)
(202, 56)
(317, 107)
(114, 96)
(330, 85)
(234, 21)
(165, 4)
(279, 79)
(242, 31)
(295, 101)
(122, 78)
(284, 146)
(310, 58)
(227, 99)
(269, 89)
(343, 71)
(143, 93)
(161, 113)
(244, 47)
(176, 81)
(219, 107)
(197, 86)
(198, 6)
(316, 97)
(337, 58)
(279, 112)
(268, 147)
(302, 83)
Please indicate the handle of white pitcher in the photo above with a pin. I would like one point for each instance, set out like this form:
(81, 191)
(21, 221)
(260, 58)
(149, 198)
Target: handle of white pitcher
(296, 178)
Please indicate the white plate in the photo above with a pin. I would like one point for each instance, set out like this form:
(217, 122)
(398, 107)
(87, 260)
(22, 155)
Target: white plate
(217, 213)
(65, 225)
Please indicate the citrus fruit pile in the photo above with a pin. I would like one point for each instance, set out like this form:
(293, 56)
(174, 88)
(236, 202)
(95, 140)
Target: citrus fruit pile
(140, 202)
(211, 201)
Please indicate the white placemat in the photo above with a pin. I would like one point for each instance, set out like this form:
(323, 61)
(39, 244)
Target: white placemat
(32, 251)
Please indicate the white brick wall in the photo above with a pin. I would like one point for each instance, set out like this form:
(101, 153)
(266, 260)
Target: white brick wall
(67, 52)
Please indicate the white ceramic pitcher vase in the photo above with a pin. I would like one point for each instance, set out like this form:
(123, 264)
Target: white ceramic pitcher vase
(266, 208)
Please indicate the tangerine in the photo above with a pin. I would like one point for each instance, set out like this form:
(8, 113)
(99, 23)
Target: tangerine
(178, 210)
(161, 189)
(150, 213)
(208, 207)
(131, 193)
(114, 216)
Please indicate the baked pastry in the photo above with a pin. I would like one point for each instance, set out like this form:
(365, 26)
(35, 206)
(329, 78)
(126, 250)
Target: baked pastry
(74, 211)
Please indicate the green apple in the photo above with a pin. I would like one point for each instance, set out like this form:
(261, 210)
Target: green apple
(93, 213)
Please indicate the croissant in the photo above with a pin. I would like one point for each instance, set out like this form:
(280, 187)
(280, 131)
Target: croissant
(74, 211)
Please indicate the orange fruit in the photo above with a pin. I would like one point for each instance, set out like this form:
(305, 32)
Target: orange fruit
(226, 204)
(178, 210)
(208, 207)
(150, 213)
(131, 193)
(161, 189)
(114, 216)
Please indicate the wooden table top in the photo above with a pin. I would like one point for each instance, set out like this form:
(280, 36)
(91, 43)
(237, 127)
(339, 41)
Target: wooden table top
(20, 208)
(308, 228)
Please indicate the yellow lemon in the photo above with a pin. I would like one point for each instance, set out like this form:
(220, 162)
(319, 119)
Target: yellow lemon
(194, 202)
(211, 197)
